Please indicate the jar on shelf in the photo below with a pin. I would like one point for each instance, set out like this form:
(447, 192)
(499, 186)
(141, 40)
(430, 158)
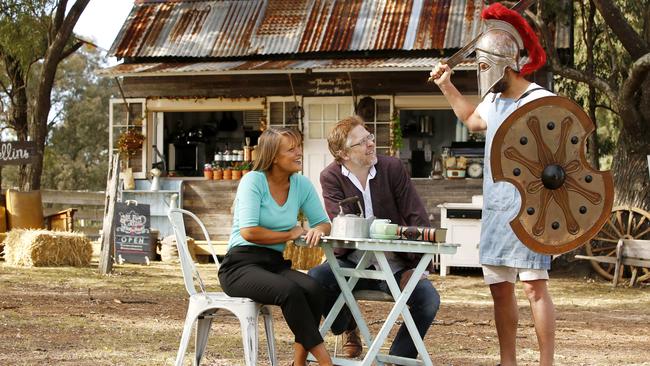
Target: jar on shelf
(207, 171)
(248, 153)
(254, 153)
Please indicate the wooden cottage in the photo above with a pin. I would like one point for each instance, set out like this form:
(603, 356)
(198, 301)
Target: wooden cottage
(201, 79)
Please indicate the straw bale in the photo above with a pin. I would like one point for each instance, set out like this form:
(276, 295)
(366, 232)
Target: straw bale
(38, 248)
(302, 257)
(169, 250)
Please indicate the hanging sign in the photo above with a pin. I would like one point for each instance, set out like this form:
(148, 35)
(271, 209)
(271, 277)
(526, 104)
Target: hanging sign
(336, 86)
(132, 225)
(16, 152)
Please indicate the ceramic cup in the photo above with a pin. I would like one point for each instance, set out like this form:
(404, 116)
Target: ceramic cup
(383, 227)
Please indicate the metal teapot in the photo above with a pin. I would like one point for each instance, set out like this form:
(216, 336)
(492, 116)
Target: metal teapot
(350, 226)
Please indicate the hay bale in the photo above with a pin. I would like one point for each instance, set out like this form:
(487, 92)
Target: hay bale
(303, 258)
(169, 250)
(39, 248)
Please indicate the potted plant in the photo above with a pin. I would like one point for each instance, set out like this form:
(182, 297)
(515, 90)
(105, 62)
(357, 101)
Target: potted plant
(227, 173)
(130, 141)
(246, 168)
(217, 173)
(236, 172)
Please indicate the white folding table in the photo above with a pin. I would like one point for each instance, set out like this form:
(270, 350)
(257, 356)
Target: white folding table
(376, 248)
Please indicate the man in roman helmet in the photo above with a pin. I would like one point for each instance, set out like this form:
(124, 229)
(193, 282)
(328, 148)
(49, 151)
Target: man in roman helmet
(503, 89)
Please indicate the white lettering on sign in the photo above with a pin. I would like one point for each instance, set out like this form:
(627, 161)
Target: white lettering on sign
(8, 153)
(329, 86)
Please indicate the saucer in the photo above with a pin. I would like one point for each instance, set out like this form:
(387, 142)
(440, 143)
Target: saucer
(384, 236)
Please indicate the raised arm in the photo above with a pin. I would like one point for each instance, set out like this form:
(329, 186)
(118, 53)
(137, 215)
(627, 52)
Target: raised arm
(464, 109)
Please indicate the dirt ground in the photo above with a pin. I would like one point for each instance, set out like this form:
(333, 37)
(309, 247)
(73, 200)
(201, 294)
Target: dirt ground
(72, 316)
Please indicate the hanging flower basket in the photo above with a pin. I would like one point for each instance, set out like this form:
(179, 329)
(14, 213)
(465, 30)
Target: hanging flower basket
(130, 142)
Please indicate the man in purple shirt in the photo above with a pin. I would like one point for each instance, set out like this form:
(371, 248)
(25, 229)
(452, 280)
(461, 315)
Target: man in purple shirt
(386, 192)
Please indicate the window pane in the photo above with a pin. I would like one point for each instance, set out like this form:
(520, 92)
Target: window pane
(329, 126)
(329, 112)
(275, 117)
(371, 128)
(315, 130)
(383, 110)
(119, 114)
(288, 106)
(345, 110)
(315, 112)
(383, 134)
(117, 132)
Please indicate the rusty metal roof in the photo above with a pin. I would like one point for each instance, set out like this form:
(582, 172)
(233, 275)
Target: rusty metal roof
(282, 66)
(231, 28)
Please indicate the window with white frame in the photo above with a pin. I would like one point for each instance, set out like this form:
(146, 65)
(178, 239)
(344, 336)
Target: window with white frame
(123, 117)
(285, 112)
(377, 113)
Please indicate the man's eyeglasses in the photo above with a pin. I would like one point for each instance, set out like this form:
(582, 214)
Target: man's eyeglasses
(364, 141)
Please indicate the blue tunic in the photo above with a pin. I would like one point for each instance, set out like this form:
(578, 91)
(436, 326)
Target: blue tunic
(499, 246)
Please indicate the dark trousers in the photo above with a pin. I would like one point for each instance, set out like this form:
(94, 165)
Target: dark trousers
(264, 276)
(423, 304)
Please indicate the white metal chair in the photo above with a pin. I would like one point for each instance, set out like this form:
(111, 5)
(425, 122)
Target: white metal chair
(203, 305)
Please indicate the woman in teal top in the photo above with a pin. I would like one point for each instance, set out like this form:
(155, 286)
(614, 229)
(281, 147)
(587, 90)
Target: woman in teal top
(265, 218)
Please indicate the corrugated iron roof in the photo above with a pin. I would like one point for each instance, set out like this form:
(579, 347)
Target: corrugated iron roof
(267, 27)
(283, 66)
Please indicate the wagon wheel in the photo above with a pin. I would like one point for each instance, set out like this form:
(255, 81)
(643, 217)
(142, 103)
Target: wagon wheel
(624, 223)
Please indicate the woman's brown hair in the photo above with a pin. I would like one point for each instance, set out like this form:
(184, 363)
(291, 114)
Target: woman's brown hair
(269, 145)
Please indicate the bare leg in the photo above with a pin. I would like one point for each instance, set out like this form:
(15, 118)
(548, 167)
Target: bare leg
(506, 316)
(319, 352)
(543, 313)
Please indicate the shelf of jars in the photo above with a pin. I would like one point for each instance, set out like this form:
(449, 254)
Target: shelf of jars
(230, 164)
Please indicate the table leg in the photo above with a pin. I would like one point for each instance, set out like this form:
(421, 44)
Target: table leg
(401, 297)
(346, 296)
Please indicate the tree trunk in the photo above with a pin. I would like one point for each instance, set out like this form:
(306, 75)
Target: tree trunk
(630, 170)
(56, 51)
(630, 165)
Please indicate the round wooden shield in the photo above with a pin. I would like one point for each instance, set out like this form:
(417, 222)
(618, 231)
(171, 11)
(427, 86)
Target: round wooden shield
(540, 149)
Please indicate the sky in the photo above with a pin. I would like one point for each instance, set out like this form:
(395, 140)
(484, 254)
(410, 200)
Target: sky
(101, 21)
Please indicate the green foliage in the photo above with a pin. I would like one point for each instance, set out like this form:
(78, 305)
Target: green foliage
(396, 133)
(76, 155)
(605, 58)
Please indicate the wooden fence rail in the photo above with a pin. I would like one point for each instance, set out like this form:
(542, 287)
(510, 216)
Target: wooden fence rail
(90, 208)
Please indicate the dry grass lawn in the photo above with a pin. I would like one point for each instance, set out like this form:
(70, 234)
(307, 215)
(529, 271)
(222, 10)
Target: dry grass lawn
(72, 316)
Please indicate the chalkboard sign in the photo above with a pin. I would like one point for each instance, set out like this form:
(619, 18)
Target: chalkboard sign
(16, 152)
(133, 233)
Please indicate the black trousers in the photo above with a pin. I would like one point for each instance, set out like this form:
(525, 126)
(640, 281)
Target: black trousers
(264, 276)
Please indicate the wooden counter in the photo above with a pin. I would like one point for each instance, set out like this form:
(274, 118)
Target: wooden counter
(212, 200)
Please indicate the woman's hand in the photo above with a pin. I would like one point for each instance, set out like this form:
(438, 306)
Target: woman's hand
(296, 232)
(313, 236)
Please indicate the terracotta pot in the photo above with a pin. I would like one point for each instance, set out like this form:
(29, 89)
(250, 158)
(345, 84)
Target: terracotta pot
(207, 174)
(236, 174)
(217, 174)
(227, 174)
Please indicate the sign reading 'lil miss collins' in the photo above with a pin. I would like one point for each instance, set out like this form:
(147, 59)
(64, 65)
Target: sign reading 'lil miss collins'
(16, 152)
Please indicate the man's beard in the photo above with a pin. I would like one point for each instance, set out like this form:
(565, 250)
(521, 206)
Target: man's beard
(500, 86)
(365, 161)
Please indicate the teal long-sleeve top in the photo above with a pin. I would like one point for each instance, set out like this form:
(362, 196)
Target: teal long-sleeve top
(254, 206)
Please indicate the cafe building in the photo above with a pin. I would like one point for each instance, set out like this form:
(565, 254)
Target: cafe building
(201, 79)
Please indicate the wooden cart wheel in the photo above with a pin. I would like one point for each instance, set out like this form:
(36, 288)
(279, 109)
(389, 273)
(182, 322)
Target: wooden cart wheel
(624, 223)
